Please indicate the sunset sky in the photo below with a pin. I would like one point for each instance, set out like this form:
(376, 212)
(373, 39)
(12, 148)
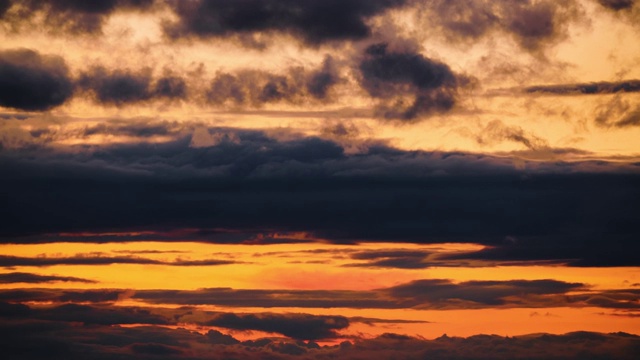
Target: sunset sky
(317, 179)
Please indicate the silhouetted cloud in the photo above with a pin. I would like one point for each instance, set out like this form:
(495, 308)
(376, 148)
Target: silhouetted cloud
(314, 21)
(30, 81)
(386, 75)
(248, 183)
(21, 277)
(297, 326)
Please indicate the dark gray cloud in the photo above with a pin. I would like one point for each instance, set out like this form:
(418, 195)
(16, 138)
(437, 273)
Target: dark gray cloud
(21, 277)
(313, 21)
(73, 16)
(120, 87)
(249, 184)
(30, 81)
(297, 326)
(386, 75)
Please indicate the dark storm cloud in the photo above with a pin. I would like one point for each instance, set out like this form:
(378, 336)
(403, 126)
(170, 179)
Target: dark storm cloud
(73, 16)
(88, 259)
(121, 87)
(30, 81)
(254, 87)
(297, 326)
(314, 21)
(20, 277)
(255, 184)
(603, 87)
(386, 75)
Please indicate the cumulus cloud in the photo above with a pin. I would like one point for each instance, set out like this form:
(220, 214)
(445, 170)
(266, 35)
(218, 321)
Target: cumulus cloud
(31, 81)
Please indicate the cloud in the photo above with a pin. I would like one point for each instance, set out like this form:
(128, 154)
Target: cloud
(603, 87)
(617, 5)
(443, 293)
(20, 277)
(297, 326)
(154, 349)
(313, 21)
(71, 16)
(386, 75)
(255, 88)
(64, 341)
(400, 259)
(496, 131)
(618, 112)
(120, 87)
(420, 294)
(531, 24)
(562, 249)
(34, 82)
(88, 259)
(257, 184)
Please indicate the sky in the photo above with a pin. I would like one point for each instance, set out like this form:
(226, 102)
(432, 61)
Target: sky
(286, 179)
